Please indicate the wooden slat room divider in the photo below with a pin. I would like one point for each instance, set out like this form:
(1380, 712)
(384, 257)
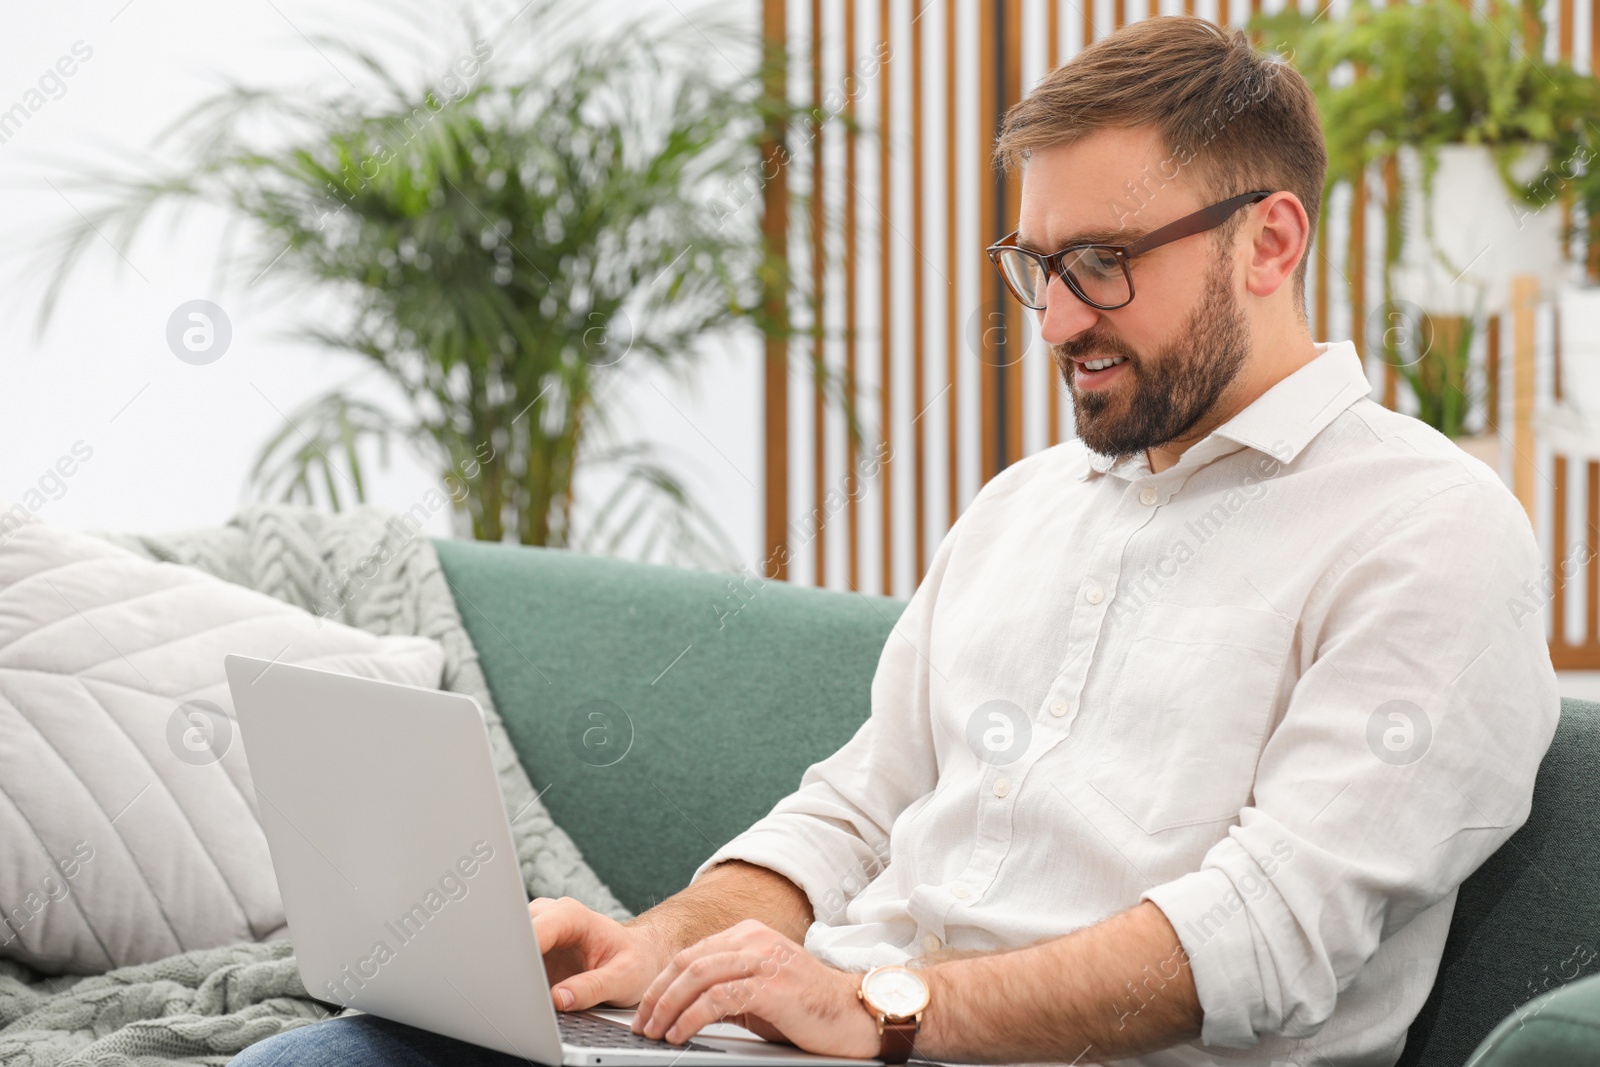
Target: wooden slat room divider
(886, 203)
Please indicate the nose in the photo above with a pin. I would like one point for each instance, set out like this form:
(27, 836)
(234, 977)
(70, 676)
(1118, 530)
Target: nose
(1064, 316)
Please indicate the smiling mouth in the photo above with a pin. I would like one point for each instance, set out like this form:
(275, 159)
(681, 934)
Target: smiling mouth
(1100, 364)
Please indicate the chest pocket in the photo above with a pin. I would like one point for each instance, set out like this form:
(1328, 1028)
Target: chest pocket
(1189, 713)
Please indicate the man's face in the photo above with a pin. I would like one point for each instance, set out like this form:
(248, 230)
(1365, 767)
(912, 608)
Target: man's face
(1184, 336)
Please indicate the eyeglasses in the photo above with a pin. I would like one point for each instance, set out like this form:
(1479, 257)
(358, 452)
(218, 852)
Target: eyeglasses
(1098, 273)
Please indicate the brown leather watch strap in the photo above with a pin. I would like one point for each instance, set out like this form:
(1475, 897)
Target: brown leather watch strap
(897, 1039)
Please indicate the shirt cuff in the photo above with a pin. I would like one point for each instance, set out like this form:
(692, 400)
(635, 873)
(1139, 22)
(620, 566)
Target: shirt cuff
(827, 870)
(1210, 917)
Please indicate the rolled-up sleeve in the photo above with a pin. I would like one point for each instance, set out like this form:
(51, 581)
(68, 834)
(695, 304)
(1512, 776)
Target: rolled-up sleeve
(1406, 756)
(831, 835)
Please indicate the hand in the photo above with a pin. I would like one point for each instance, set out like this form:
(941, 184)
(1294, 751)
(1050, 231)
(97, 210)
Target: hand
(592, 957)
(751, 975)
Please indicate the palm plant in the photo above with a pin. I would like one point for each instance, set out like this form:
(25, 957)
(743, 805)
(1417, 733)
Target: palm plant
(507, 243)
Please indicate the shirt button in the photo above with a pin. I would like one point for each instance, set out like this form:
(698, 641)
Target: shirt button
(1002, 786)
(960, 891)
(1058, 707)
(931, 943)
(1093, 594)
(1147, 496)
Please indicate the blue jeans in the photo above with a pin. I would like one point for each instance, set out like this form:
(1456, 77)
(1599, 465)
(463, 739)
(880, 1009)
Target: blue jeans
(367, 1041)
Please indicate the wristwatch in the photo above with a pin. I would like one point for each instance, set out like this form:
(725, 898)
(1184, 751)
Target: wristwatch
(897, 997)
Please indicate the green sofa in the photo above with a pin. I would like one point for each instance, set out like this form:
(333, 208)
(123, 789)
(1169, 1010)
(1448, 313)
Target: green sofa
(662, 711)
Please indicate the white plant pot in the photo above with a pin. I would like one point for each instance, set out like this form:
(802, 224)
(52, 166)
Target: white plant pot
(1484, 235)
(1580, 352)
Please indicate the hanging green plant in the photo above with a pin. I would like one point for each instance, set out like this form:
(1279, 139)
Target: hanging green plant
(1423, 76)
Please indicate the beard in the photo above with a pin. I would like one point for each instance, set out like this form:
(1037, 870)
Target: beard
(1171, 390)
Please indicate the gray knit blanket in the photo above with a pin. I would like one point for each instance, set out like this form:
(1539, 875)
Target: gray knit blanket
(365, 568)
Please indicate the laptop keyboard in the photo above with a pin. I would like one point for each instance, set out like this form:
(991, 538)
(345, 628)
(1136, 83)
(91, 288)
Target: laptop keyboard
(591, 1031)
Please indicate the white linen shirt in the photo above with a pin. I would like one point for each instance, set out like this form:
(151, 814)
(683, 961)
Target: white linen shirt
(1292, 689)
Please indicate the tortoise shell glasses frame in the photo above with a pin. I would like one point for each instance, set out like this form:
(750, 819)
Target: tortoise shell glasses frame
(1097, 273)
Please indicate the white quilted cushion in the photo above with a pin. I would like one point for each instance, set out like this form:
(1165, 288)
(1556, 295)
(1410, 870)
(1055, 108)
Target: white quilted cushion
(120, 842)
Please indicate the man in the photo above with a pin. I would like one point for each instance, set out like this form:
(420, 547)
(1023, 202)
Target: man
(1183, 746)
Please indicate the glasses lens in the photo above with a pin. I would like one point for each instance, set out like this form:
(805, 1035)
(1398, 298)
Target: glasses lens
(1024, 275)
(1099, 273)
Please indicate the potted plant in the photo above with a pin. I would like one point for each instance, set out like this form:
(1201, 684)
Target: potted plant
(504, 240)
(1457, 99)
(1478, 134)
(1579, 309)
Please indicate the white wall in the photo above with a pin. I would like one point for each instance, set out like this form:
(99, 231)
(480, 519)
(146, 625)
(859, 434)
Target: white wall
(172, 442)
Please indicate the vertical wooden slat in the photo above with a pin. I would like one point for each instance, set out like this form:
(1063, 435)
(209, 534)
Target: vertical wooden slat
(919, 337)
(1491, 371)
(1532, 32)
(1591, 599)
(989, 70)
(1555, 353)
(852, 518)
(1119, 13)
(775, 366)
(1558, 548)
(1524, 294)
(1188, 7)
(1565, 12)
(1087, 11)
(1356, 263)
(1053, 384)
(885, 299)
(1592, 260)
(1224, 16)
(819, 279)
(1052, 33)
(1320, 290)
(952, 239)
(1391, 192)
(1016, 327)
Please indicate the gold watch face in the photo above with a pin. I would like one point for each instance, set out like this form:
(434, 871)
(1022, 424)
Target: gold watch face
(897, 992)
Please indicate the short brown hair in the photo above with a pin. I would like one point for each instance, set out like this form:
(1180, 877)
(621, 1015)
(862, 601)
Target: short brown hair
(1245, 120)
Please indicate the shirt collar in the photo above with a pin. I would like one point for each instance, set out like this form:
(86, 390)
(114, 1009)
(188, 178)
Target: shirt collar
(1279, 422)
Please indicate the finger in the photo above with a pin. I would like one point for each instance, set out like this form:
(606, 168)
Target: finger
(542, 904)
(588, 988)
(702, 973)
(559, 927)
(730, 999)
(727, 940)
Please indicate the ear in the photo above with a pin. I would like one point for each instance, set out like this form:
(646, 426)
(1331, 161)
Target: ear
(1275, 238)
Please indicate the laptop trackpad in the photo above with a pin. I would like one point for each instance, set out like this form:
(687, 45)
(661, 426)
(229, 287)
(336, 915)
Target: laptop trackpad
(729, 1037)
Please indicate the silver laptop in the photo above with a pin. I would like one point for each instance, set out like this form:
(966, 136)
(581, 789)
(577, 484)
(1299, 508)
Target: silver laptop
(399, 879)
